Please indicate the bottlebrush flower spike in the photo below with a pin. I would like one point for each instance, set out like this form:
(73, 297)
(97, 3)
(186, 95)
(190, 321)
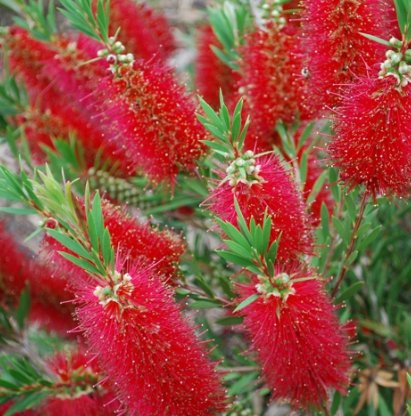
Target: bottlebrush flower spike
(211, 73)
(155, 117)
(47, 288)
(144, 32)
(335, 50)
(149, 353)
(26, 56)
(373, 128)
(267, 186)
(141, 243)
(272, 81)
(74, 372)
(51, 73)
(137, 242)
(293, 329)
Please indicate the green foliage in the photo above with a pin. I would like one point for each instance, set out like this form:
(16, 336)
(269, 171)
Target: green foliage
(403, 8)
(82, 17)
(23, 383)
(89, 245)
(34, 16)
(229, 132)
(229, 21)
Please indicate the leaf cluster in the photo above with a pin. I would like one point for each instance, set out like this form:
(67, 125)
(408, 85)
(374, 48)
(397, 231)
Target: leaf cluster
(249, 244)
(34, 16)
(229, 22)
(229, 131)
(87, 239)
(83, 17)
(403, 8)
(23, 383)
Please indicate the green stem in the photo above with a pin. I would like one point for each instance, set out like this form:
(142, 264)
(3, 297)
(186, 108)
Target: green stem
(351, 246)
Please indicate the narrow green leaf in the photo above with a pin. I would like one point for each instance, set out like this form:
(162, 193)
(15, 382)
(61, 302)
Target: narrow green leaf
(239, 249)
(246, 302)
(69, 243)
(23, 307)
(230, 321)
(319, 183)
(88, 267)
(376, 39)
(17, 210)
(349, 292)
(205, 304)
(27, 402)
(211, 114)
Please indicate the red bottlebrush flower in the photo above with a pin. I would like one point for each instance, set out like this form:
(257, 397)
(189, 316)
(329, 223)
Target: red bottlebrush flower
(373, 129)
(301, 347)
(76, 375)
(137, 242)
(270, 188)
(155, 118)
(211, 73)
(144, 31)
(26, 56)
(272, 81)
(334, 47)
(57, 85)
(47, 288)
(143, 244)
(148, 350)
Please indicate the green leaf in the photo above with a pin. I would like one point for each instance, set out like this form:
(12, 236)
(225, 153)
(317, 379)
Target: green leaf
(376, 39)
(246, 302)
(88, 267)
(325, 220)
(69, 243)
(205, 304)
(349, 292)
(27, 402)
(233, 233)
(242, 223)
(213, 118)
(236, 259)
(319, 183)
(106, 248)
(23, 307)
(401, 9)
(243, 384)
(239, 249)
(17, 210)
(230, 321)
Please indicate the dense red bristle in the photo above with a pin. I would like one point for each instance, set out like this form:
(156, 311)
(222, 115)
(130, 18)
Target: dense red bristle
(149, 350)
(272, 81)
(300, 345)
(156, 118)
(56, 85)
(372, 144)
(139, 242)
(335, 50)
(144, 31)
(75, 371)
(278, 194)
(211, 73)
(47, 288)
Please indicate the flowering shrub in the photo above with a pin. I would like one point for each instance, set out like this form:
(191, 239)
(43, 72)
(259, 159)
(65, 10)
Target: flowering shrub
(240, 247)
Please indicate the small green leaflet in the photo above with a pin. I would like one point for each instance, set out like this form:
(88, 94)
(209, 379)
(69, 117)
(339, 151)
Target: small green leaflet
(246, 302)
